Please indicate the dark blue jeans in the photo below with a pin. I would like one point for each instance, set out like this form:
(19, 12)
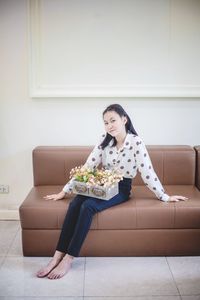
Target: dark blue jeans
(79, 217)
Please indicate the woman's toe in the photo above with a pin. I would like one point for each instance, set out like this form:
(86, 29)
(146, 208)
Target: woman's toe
(40, 274)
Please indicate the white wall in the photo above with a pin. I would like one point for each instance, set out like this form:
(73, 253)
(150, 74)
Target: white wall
(26, 123)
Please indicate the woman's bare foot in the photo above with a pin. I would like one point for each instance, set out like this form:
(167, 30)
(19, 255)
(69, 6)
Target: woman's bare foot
(51, 265)
(62, 268)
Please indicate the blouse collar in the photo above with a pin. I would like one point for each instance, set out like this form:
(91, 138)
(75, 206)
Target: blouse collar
(127, 142)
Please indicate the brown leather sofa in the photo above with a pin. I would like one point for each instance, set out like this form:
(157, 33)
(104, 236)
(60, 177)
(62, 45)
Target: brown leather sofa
(143, 226)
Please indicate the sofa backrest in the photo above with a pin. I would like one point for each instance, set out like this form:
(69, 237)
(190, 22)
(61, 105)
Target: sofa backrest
(174, 165)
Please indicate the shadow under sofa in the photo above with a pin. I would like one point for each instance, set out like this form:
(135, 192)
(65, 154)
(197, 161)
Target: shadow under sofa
(142, 226)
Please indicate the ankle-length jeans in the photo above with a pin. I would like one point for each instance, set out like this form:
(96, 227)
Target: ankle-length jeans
(79, 217)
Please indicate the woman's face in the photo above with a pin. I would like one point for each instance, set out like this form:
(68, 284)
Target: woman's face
(114, 123)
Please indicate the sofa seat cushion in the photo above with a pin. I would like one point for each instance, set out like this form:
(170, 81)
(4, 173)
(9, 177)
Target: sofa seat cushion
(141, 211)
(156, 214)
(38, 213)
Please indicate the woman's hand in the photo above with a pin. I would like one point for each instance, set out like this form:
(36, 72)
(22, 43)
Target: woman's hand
(55, 197)
(177, 198)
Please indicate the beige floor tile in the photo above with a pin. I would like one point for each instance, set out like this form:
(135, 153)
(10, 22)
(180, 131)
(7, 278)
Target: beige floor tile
(18, 279)
(197, 297)
(4, 225)
(128, 276)
(186, 272)
(2, 258)
(41, 298)
(16, 246)
(8, 230)
(135, 298)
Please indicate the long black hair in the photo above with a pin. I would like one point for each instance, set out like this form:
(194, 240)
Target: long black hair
(128, 126)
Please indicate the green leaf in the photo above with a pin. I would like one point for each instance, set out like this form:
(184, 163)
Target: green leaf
(85, 178)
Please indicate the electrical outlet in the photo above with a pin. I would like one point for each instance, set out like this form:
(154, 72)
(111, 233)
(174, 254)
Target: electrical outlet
(4, 189)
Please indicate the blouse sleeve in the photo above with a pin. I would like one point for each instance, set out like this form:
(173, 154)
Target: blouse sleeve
(144, 166)
(92, 162)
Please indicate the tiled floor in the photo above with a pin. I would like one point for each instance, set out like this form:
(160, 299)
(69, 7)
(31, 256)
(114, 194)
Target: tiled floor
(100, 278)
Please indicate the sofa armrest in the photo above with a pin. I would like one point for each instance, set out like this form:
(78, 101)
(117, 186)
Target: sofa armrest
(197, 173)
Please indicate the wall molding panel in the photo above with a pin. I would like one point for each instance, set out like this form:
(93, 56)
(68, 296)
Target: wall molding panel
(114, 48)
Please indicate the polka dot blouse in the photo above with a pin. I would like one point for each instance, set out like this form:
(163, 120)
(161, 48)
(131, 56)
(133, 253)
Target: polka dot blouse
(129, 159)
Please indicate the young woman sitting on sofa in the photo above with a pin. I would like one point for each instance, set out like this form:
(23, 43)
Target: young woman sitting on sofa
(119, 149)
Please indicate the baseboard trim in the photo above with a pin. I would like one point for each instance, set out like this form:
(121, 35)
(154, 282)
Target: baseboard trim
(6, 214)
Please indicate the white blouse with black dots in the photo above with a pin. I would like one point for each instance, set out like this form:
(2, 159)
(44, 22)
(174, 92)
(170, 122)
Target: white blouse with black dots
(129, 159)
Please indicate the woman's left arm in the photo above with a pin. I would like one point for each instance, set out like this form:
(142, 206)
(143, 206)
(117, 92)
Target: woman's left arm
(145, 167)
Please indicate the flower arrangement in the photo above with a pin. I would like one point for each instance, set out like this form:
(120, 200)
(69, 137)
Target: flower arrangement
(97, 177)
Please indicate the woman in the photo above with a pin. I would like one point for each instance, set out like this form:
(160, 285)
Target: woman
(120, 149)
